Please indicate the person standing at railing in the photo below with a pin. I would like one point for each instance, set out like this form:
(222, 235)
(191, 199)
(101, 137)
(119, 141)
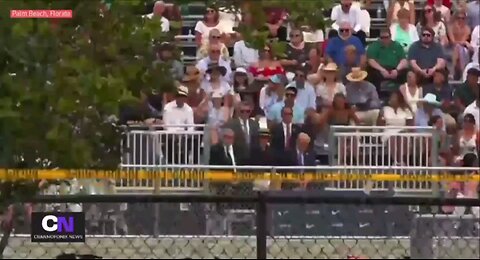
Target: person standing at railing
(246, 131)
(284, 135)
(302, 156)
(466, 142)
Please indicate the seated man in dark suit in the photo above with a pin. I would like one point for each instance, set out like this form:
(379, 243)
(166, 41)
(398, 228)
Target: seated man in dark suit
(302, 157)
(284, 135)
(261, 154)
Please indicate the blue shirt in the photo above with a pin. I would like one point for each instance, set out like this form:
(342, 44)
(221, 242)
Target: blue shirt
(275, 113)
(422, 118)
(336, 48)
(306, 96)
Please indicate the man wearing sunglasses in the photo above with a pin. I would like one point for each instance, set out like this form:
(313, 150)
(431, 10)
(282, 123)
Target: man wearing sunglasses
(336, 46)
(386, 60)
(214, 56)
(274, 115)
(297, 51)
(426, 56)
(345, 12)
(306, 96)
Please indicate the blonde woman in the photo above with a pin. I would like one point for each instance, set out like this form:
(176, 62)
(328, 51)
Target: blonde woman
(329, 85)
(214, 37)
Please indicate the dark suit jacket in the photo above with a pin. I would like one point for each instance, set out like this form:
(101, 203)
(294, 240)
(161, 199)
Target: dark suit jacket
(218, 156)
(278, 138)
(308, 158)
(240, 144)
(261, 157)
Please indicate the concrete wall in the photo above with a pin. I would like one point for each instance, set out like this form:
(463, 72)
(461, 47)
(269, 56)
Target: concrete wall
(231, 247)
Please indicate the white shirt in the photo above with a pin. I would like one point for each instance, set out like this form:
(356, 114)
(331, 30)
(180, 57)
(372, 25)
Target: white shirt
(353, 17)
(165, 23)
(205, 30)
(245, 126)
(285, 128)
(174, 116)
(225, 88)
(265, 102)
(229, 151)
(202, 66)
(244, 56)
(475, 111)
(475, 42)
(396, 118)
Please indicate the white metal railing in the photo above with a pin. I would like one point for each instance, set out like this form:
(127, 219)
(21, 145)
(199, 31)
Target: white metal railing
(172, 145)
(372, 146)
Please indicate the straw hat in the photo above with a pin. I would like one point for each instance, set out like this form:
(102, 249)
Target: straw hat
(331, 66)
(216, 66)
(182, 91)
(191, 74)
(357, 75)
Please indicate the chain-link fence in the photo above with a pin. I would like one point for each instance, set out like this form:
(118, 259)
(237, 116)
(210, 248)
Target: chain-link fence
(291, 225)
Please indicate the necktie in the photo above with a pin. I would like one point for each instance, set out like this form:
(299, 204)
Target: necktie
(300, 159)
(287, 137)
(227, 153)
(245, 132)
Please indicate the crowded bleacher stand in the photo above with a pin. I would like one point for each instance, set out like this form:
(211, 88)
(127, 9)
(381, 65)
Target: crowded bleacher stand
(419, 67)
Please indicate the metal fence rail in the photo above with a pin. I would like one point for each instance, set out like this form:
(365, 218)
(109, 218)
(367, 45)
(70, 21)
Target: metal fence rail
(384, 146)
(172, 145)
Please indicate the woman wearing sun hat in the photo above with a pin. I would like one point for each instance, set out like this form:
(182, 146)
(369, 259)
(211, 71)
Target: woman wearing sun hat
(329, 85)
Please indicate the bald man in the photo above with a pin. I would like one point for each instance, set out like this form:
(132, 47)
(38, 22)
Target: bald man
(158, 10)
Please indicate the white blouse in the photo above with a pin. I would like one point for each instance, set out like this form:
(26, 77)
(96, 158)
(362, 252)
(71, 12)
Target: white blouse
(202, 28)
(326, 94)
(396, 118)
(224, 88)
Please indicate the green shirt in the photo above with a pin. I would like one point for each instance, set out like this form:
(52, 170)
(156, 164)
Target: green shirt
(387, 56)
(465, 94)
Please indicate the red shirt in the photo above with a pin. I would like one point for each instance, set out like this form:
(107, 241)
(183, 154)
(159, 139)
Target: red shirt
(446, 3)
(266, 72)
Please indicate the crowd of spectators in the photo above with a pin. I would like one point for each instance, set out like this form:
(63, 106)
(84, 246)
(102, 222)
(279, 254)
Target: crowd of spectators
(404, 78)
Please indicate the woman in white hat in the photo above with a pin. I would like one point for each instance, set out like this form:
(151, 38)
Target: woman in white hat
(329, 85)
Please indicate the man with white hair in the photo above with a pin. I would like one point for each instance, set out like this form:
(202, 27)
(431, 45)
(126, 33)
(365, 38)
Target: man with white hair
(158, 10)
(336, 46)
(346, 12)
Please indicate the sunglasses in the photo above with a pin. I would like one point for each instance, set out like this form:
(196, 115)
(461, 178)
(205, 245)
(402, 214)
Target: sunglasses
(344, 30)
(426, 35)
(288, 114)
(245, 111)
(215, 37)
(294, 35)
(289, 95)
(210, 11)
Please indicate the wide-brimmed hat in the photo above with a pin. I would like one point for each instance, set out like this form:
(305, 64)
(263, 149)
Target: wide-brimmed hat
(192, 73)
(357, 74)
(216, 66)
(331, 66)
(242, 70)
(430, 99)
(182, 91)
(264, 132)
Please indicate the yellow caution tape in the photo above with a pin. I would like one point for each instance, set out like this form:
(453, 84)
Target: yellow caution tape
(223, 176)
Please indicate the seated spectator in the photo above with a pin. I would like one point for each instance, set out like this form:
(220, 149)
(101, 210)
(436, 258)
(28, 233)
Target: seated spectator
(315, 59)
(363, 97)
(210, 21)
(297, 51)
(165, 55)
(276, 18)
(340, 113)
(442, 9)
(214, 56)
(305, 92)
(214, 37)
(387, 60)
(396, 113)
(244, 56)
(269, 94)
(329, 85)
(393, 10)
(178, 115)
(158, 12)
(411, 91)
(274, 115)
(444, 93)
(336, 46)
(346, 13)
(404, 32)
(474, 109)
(430, 107)
(284, 135)
(261, 154)
(459, 33)
(475, 43)
(426, 57)
(215, 74)
(246, 131)
(475, 64)
(266, 67)
(473, 13)
(351, 61)
(242, 81)
(217, 114)
(467, 138)
(466, 93)
(433, 19)
(196, 94)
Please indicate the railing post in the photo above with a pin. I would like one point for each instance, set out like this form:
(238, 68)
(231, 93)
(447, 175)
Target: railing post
(261, 234)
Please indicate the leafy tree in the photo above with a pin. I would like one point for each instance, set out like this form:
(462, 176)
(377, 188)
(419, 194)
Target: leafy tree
(61, 81)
